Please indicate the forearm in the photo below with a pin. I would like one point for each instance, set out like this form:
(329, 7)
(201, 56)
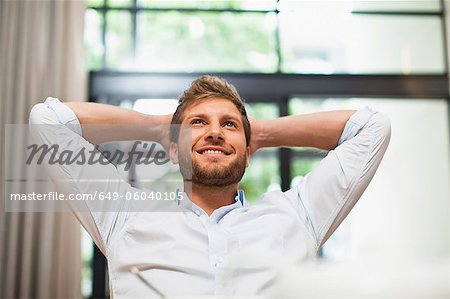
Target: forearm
(103, 123)
(319, 130)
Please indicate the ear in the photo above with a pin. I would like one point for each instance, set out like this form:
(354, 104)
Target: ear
(247, 155)
(173, 152)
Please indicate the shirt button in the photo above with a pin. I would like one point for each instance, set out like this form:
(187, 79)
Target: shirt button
(197, 212)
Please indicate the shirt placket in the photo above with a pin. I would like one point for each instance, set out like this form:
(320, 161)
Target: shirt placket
(217, 243)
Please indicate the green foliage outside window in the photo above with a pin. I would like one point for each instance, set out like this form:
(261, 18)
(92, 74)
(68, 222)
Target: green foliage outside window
(205, 41)
(261, 176)
(205, 4)
(95, 3)
(180, 41)
(118, 39)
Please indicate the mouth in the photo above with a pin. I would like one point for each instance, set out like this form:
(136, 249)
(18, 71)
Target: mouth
(213, 152)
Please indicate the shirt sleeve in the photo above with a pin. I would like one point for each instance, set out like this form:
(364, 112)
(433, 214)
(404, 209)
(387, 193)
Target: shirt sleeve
(325, 196)
(51, 123)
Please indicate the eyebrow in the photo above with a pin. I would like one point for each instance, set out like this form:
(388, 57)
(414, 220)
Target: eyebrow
(202, 115)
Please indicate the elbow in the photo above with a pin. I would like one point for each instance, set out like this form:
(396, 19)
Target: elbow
(382, 126)
(41, 114)
(36, 114)
(385, 124)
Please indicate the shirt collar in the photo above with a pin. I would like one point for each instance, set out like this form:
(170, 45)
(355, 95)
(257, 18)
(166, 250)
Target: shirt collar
(186, 203)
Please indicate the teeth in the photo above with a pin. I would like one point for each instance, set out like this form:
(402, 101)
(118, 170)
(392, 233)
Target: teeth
(212, 152)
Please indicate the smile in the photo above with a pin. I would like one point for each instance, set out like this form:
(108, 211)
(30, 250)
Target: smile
(213, 152)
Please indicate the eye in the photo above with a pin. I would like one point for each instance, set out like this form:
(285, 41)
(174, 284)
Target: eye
(196, 121)
(230, 124)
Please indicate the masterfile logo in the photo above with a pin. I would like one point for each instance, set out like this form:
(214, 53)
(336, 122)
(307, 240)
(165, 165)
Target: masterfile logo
(141, 153)
(52, 168)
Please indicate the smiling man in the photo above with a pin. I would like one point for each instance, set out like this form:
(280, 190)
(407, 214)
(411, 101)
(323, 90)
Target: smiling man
(217, 244)
(220, 145)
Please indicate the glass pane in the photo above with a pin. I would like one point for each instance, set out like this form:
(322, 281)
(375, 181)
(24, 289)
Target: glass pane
(397, 5)
(120, 3)
(330, 39)
(261, 176)
(262, 110)
(119, 54)
(177, 41)
(397, 44)
(95, 3)
(87, 248)
(156, 106)
(300, 167)
(211, 4)
(366, 5)
(263, 173)
(93, 39)
(306, 105)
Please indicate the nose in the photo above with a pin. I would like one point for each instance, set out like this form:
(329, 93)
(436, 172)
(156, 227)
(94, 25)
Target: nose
(215, 132)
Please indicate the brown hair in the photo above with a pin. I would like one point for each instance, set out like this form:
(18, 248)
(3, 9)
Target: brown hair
(206, 87)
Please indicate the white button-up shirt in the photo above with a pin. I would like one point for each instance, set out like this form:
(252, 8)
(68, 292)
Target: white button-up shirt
(235, 250)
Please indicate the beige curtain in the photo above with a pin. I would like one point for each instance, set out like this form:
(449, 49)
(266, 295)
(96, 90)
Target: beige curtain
(41, 54)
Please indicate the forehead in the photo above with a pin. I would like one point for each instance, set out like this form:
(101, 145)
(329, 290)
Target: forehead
(212, 106)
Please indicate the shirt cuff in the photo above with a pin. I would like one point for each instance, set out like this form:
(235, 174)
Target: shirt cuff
(64, 114)
(355, 123)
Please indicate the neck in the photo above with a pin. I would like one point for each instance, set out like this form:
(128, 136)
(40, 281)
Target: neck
(210, 198)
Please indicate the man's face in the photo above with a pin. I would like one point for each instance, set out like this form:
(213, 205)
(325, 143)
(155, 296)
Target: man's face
(218, 148)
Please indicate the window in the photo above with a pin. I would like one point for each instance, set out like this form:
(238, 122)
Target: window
(308, 37)
(361, 44)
